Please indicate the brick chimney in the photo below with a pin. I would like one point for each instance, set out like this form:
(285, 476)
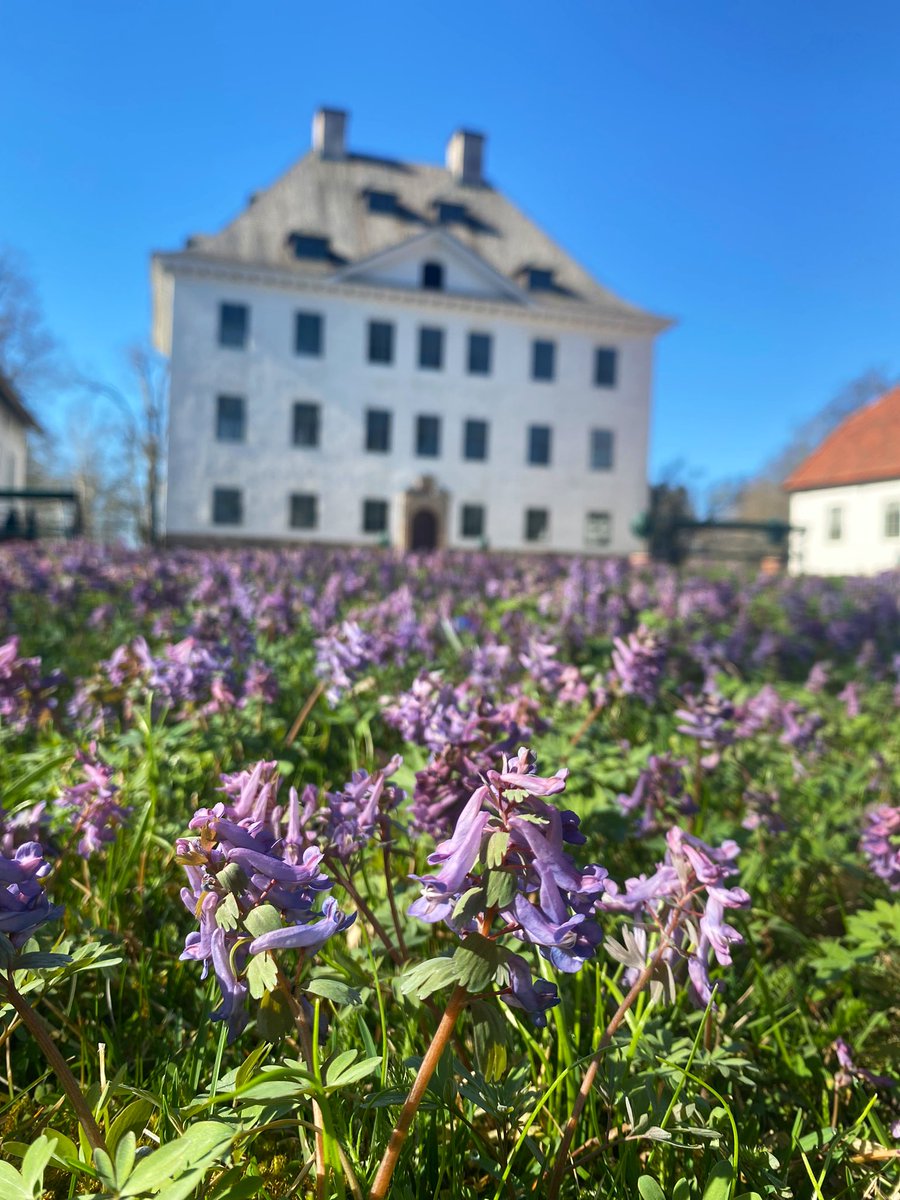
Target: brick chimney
(465, 154)
(329, 131)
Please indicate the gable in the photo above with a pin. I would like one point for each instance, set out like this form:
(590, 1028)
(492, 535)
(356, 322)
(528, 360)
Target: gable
(464, 272)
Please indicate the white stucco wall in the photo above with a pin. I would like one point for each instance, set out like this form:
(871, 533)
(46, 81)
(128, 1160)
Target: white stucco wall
(863, 547)
(12, 450)
(271, 377)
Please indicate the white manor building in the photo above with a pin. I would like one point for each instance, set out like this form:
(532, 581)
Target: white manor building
(388, 353)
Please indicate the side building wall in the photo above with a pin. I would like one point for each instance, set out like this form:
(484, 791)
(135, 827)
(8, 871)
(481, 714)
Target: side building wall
(868, 529)
(270, 377)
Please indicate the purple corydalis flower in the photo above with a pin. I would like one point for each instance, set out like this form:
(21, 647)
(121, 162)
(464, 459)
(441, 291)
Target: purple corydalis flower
(880, 843)
(24, 906)
(93, 804)
(848, 1070)
(638, 664)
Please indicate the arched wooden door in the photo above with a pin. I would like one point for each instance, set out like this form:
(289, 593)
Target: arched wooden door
(424, 531)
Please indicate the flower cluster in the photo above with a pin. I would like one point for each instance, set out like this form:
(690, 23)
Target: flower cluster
(880, 843)
(93, 804)
(505, 873)
(638, 665)
(253, 893)
(24, 906)
(660, 786)
(685, 902)
(707, 718)
(26, 695)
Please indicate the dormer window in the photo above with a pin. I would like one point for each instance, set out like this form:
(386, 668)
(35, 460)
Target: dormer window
(539, 279)
(310, 246)
(433, 276)
(451, 214)
(382, 202)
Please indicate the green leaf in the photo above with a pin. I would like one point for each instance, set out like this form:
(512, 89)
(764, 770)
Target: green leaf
(501, 889)
(105, 1168)
(197, 1149)
(498, 844)
(39, 961)
(262, 975)
(477, 960)
(650, 1189)
(469, 905)
(274, 1018)
(426, 977)
(35, 1162)
(341, 1072)
(12, 1185)
(227, 913)
(719, 1182)
(133, 1118)
(335, 990)
(7, 951)
(125, 1152)
(264, 919)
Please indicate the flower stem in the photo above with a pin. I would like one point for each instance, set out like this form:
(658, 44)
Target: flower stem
(432, 1057)
(389, 883)
(353, 892)
(555, 1180)
(41, 1034)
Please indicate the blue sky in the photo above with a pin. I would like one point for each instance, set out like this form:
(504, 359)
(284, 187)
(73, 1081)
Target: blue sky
(732, 164)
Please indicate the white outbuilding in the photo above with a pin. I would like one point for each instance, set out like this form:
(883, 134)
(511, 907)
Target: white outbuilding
(381, 352)
(845, 497)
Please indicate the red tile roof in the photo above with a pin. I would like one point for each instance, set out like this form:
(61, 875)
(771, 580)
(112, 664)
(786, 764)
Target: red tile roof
(864, 448)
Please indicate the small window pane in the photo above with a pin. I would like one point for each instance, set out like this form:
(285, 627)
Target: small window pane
(479, 354)
(601, 449)
(378, 430)
(304, 511)
(431, 349)
(308, 334)
(230, 418)
(375, 516)
(835, 524)
(234, 321)
(451, 214)
(475, 440)
(227, 506)
(433, 276)
(540, 280)
(382, 202)
(539, 437)
(428, 436)
(537, 524)
(306, 424)
(310, 246)
(597, 529)
(605, 367)
(543, 360)
(381, 342)
(892, 521)
(472, 521)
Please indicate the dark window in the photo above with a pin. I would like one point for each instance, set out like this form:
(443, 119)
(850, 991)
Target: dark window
(306, 246)
(375, 516)
(539, 280)
(234, 322)
(472, 521)
(431, 349)
(228, 508)
(381, 342)
(475, 440)
(601, 449)
(304, 511)
(382, 202)
(605, 367)
(537, 524)
(597, 529)
(230, 418)
(451, 214)
(428, 436)
(543, 360)
(306, 424)
(539, 437)
(479, 353)
(308, 334)
(835, 524)
(892, 521)
(433, 276)
(378, 430)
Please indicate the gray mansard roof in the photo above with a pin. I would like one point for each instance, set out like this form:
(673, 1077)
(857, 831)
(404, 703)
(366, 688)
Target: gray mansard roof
(328, 198)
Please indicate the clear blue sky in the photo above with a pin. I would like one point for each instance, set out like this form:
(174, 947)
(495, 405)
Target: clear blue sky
(733, 164)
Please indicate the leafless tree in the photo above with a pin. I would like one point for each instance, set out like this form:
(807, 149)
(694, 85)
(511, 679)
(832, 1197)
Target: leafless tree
(30, 356)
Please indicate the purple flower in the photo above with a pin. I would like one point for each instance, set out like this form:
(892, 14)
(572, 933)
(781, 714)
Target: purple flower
(92, 805)
(880, 843)
(638, 664)
(24, 906)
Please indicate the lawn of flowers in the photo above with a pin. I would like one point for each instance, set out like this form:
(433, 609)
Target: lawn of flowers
(334, 874)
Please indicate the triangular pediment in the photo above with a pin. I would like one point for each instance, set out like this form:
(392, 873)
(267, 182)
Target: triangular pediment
(463, 271)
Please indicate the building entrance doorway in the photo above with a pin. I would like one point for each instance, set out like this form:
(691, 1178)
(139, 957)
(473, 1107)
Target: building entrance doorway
(423, 535)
